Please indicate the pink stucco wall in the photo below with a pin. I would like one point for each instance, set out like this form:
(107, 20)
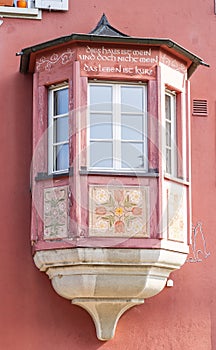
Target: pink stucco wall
(32, 315)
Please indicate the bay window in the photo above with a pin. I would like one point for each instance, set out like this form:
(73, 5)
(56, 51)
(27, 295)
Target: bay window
(117, 126)
(58, 139)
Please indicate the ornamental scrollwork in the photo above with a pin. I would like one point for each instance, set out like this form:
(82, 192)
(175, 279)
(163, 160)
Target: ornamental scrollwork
(172, 63)
(46, 63)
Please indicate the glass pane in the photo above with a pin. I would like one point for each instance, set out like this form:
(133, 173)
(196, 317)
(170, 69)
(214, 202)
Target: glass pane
(168, 161)
(101, 154)
(168, 134)
(61, 101)
(61, 157)
(101, 126)
(100, 98)
(132, 155)
(131, 99)
(132, 127)
(168, 107)
(61, 129)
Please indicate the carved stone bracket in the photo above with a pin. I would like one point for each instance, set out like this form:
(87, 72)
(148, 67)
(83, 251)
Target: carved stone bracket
(107, 282)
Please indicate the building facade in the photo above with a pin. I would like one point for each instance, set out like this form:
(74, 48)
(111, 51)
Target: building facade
(132, 202)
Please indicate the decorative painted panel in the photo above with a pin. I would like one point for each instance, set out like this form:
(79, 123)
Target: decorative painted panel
(176, 212)
(118, 211)
(56, 212)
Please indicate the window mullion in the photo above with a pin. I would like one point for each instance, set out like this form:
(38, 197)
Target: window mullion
(145, 129)
(173, 135)
(117, 126)
(50, 132)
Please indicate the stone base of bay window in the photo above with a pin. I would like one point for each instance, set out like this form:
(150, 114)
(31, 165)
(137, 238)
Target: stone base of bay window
(105, 281)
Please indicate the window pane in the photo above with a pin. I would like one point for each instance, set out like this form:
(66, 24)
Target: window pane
(101, 154)
(61, 129)
(61, 101)
(101, 126)
(131, 99)
(132, 155)
(168, 161)
(168, 107)
(168, 134)
(132, 127)
(100, 98)
(61, 157)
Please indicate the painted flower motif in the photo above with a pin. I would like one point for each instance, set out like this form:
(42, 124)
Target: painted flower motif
(119, 195)
(47, 231)
(62, 206)
(119, 226)
(100, 211)
(62, 219)
(181, 224)
(101, 196)
(49, 195)
(136, 211)
(135, 197)
(136, 226)
(119, 211)
(54, 212)
(47, 207)
(102, 225)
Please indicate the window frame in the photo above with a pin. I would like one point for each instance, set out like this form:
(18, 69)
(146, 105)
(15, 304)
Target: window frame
(18, 12)
(172, 121)
(51, 117)
(116, 128)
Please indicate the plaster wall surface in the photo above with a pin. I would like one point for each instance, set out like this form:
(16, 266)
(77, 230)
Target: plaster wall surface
(32, 315)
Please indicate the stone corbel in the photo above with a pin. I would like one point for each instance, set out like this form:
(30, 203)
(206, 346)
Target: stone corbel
(105, 281)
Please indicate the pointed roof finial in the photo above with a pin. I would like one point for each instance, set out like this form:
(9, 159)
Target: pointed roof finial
(104, 28)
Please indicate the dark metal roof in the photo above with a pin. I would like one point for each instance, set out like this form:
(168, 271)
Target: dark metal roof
(104, 28)
(105, 33)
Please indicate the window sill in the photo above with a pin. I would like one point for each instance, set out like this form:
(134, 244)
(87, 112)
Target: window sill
(176, 179)
(84, 171)
(45, 176)
(17, 12)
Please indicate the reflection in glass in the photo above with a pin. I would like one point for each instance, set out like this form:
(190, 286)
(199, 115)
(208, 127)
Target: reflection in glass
(168, 134)
(61, 129)
(101, 126)
(132, 155)
(168, 161)
(61, 157)
(101, 154)
(131, 99)
(61, 101)
(100, 98)
(168, 106)
(132, 127)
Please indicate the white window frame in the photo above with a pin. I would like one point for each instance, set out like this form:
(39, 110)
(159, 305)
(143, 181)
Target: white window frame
(57, 5)
(116, 139)
(51, 118)
(171, 168)
(33, 11)
(18, 12)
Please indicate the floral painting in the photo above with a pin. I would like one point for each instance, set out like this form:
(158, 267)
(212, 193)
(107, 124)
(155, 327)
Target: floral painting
(118, 211)
(55, 212)
(177, 213)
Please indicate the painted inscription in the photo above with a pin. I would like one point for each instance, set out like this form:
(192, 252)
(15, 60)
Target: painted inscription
(105, 61)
